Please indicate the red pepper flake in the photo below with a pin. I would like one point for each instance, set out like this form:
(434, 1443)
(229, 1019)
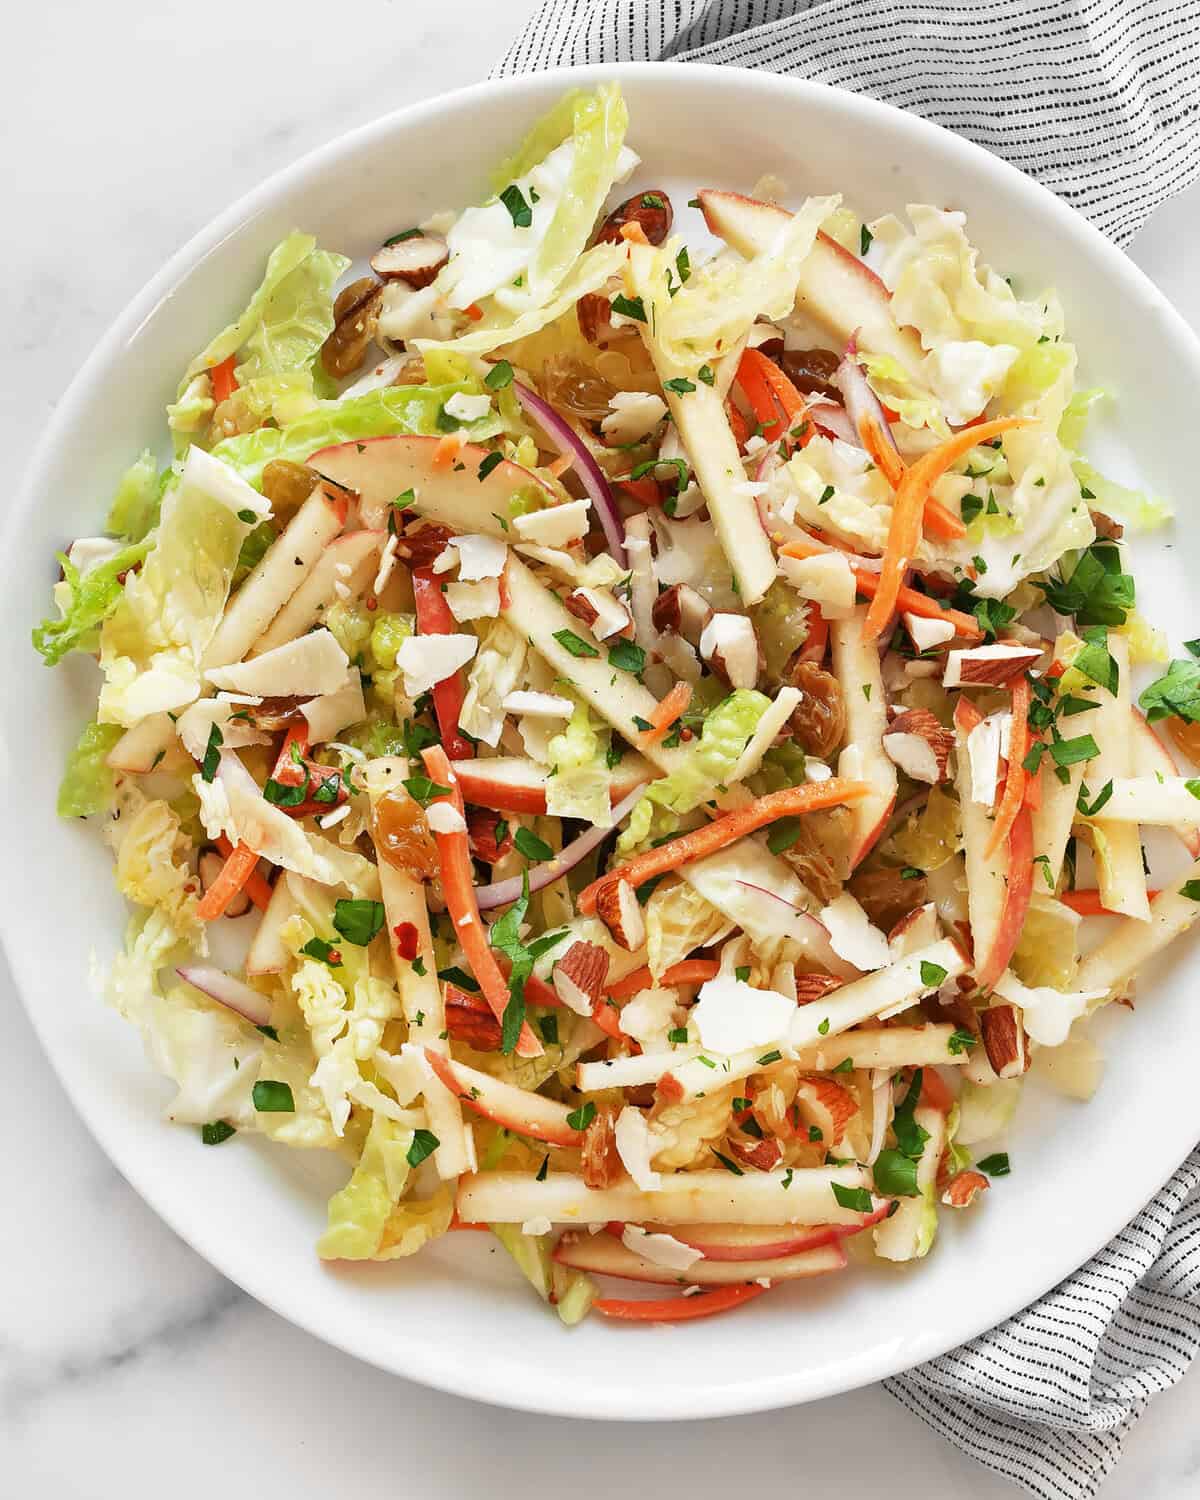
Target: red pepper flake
(335, 956)
(371, 602)
(406, 940)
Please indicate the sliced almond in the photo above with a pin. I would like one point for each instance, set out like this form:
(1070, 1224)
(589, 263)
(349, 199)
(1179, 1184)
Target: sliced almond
(600, 611)
(730, 647)
(763, 1155)
(617, 907)
(468, 1019)
(1004, 1040)
(680, 610)
(988, 666)
(416, 260)
(919, 745)
(579, 977)
(810, 987)
(827, 1106)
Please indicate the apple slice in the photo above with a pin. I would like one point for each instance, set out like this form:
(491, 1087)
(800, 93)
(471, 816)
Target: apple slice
(513, 784)
(516, 1109)
(283, 568)
(835, 287)
(141, 748)
(904, 1236)
(1150, 757)
(742, 1242)
(1133, 941)
(1120, 874)
(1164, 800)
(1000, 882)
(617, 696)
(803, 1195)
(603, 1255)
(268, 953)
(383, 469)
(856, 667)
(408, 932)
(350, 560)
(884, 1047)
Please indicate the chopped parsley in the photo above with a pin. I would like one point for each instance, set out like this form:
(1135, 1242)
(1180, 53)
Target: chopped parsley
(424, 1143)
(421, 789)
(499, 376)
(532, 847)
(273, 1098)
(215, 1132)
(325, 952)
(629, 307)
(518, 210)
(996, 1165)
(358, 921)
(212, 753)
(858, 1198)
(575, 644)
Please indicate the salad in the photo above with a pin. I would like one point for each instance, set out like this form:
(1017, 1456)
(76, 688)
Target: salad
(618, 722)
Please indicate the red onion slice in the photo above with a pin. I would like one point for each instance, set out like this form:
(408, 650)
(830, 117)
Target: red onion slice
(228, 991)
(591, 476)
(504, 892)
(862, 404)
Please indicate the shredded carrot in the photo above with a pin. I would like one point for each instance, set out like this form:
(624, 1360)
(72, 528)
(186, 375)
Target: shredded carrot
(1087, 902)
(561, 464)
(643, 490)
(224, 381)
(608, 1021)
(690, 971)
(434, 618)
(908, 601)
(257, 886)
(678, 1309)
(883, 453)
(668, 711)
(446, 450)
(633, 233)
(288, 771)
(1013, 796)
(908, 508)
(235, 872)
(474, 312)
(458, 890)
(724, 831)
(738, 424)
(966, 715)
(775, 401)
(1033, 784)
(934, 1091)
(815, 642)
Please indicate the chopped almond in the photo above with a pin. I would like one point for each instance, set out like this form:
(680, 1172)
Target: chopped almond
(988, 666)
(680, 610)
(826, 1105)
(919, 745)
(600, 1159)
(810, 987)
(1004, 1040)
(579, 977)
(765, 1155)
(617, 907)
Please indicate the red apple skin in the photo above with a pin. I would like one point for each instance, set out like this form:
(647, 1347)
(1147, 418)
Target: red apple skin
(509, 784)
(1016, 903)
(873, 834)
(380, 468)
(738, 1242)
(836, 286)
(1161, 758)
(495, 1101)
(607, 1256)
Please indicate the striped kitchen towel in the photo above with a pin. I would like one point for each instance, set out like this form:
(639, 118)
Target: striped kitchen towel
(1099, 100)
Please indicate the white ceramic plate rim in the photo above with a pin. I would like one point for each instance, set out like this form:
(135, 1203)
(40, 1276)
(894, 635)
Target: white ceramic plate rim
(419, 1358)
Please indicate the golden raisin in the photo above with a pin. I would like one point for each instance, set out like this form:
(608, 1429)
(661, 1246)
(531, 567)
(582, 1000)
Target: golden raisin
(885, 895)
(355, 314)
(571, 386)
(1186, 736)
(402, 835)
(287, 485)
(819, 853)
(819, 721)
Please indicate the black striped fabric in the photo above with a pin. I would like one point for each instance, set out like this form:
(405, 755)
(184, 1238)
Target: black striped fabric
(1099, 100)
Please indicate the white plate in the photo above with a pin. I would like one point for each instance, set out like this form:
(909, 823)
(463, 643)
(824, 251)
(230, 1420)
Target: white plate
(458, 1316)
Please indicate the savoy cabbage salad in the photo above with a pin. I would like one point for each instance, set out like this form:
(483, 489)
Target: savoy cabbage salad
(630, 743)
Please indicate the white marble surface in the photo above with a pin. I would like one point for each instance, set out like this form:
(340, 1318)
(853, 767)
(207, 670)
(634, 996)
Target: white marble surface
(128, 1366)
